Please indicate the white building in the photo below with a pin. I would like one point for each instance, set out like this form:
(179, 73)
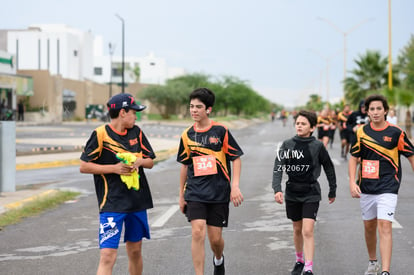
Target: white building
(58, 48)
(153, 69)
(79, 55)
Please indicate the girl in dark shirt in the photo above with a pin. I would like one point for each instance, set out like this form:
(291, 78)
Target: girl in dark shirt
(301, 157)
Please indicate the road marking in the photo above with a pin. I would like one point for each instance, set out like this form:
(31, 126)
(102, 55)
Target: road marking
(166, 216)
(336, 162)
(396, 224)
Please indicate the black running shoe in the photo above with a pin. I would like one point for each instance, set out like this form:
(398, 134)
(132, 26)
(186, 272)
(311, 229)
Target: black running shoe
(385, 273)
(219, 269)
(308, 273)
(297, 270)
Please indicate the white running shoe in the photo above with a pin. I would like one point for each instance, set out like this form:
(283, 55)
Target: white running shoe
(373, 268)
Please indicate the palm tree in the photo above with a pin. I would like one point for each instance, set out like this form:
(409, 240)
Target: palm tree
(137, 73)
(369, 76)
(406, 96)
(314, 103)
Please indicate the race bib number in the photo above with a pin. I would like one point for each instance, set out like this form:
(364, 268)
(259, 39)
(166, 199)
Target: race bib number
(204, 165)
(370, 169)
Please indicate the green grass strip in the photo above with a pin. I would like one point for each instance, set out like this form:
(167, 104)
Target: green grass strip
(36, 207)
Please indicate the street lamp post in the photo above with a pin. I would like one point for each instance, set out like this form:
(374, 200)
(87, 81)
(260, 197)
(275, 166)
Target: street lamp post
(111, 52)
(123, 51)
(345, 34)
(328, 60)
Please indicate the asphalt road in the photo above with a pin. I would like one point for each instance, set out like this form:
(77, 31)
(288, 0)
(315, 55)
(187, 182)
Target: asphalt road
(257, 241)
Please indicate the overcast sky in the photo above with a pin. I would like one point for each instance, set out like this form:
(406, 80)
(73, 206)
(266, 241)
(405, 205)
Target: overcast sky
(279, 47)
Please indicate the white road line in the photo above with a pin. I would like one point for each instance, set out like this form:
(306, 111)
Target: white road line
(166, 216)
(336, 162)
(396, 224)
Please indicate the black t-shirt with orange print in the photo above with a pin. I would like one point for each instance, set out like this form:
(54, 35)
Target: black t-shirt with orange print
(218, 143)
(380, 151)
(101, 148)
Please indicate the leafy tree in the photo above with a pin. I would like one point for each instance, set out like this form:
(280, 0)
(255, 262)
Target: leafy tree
(167, 99)
(406, 62)
(193, 81)
(225, 97)
(406, 95)
(223, 102)
(137, 73)
(242, 96)
(406, 98)
(391, 95)
(315, 103)
(369, 76)
(232, 95)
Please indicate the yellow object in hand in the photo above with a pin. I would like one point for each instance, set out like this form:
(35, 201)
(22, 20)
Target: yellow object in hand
(131, 181)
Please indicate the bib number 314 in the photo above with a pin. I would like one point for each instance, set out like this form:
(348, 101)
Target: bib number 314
(204, 165)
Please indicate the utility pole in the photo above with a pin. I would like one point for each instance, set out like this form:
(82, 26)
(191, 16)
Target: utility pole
(345, 34)
(111, 52)
(123, 51)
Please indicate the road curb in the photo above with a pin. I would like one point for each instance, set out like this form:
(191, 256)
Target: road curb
(161, 155)
(21, 203)
(50, 164)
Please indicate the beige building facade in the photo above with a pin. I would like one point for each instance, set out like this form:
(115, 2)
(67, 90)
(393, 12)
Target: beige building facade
(51, 92)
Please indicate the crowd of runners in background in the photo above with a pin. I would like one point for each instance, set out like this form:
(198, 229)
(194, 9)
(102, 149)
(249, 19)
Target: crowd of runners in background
(346, 121)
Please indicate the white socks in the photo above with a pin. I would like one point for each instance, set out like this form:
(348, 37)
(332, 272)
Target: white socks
(218, 262)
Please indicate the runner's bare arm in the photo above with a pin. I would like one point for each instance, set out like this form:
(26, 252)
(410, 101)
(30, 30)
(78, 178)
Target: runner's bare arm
(353, 187)
(236, 196)
(145, 163)
(411, 160)
(94, 168)
(183, 180)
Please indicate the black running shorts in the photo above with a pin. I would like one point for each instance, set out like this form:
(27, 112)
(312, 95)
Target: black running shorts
(345, 134)
(297, 211)
(215, 214)
(322, 133)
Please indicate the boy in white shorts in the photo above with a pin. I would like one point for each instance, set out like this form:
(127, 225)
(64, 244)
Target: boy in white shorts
(380, 206)
(378, 147)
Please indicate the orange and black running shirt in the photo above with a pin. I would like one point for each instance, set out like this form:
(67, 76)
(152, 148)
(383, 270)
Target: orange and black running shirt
(101, 148)
(342, 118)
(380, 150)
(217, 142)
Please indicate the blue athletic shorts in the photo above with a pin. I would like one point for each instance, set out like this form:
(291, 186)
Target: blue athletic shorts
(110, 228)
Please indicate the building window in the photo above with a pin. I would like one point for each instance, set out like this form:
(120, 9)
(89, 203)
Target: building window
(152, 63)
(116, 72)
(97, 70)
(75, 53)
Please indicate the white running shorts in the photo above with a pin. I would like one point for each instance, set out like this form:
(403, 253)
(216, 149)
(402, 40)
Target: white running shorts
(380, 206)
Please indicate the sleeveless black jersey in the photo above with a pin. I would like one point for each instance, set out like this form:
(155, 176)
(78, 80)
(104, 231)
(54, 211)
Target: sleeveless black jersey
(380, 150)
(218, 142)
(101, 148)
